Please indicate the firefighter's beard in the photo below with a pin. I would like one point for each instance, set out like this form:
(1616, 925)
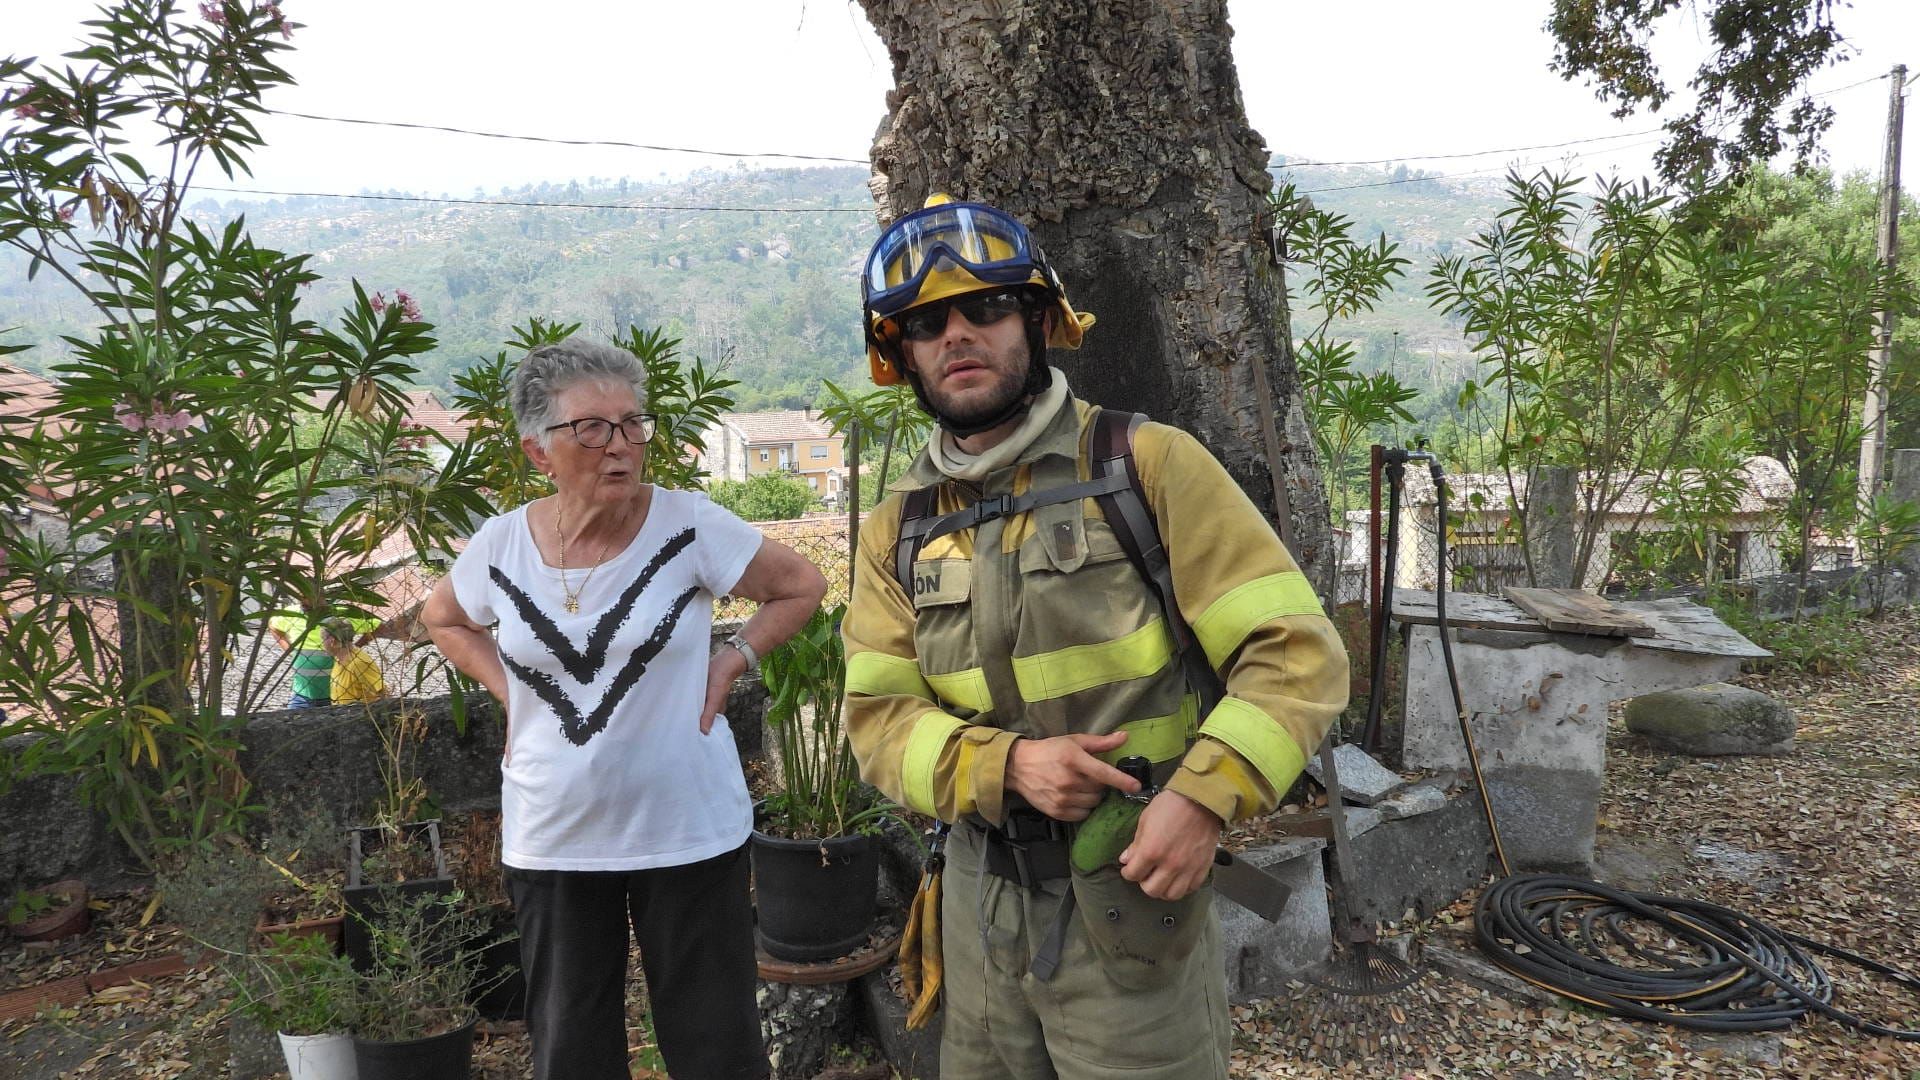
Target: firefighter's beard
(981, 399)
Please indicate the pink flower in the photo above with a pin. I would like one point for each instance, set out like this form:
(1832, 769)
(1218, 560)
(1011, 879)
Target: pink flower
(409, 307)
(378, 303)
(280, 22)
(158, 418)
(214, 13)
(66, 212)
(26, 111)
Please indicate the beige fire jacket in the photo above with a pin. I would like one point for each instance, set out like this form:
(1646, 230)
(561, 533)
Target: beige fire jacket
(1038, 624)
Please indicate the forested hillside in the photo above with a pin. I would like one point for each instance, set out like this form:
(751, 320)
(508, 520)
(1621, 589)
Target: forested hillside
(774, 293)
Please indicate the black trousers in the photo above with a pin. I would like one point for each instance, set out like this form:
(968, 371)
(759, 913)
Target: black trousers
(695, 928)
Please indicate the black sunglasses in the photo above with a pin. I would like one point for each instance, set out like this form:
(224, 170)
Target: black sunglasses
(929, 321)
(593, 432)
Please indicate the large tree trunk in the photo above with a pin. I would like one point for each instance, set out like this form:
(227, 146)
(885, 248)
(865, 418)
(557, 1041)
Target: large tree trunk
(1115, 128)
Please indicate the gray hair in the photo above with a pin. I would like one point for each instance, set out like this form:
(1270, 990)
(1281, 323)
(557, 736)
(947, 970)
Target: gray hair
(549, 370)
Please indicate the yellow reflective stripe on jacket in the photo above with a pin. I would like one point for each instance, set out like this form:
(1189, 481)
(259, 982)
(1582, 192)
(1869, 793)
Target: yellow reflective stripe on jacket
(918, 761)
(1159, 738)
(1259, 738)
(877, 673)
(967, 689)
(1228, 620)
(1079, 667)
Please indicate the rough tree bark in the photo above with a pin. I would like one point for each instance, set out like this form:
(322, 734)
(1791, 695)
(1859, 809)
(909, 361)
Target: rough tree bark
(1116, 129)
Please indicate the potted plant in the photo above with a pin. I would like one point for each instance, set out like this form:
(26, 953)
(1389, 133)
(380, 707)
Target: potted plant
(49, 913)
(301, 987)
(303, 856)
(386, 861)
(815, 868)
(412, 1018)
(502, 990)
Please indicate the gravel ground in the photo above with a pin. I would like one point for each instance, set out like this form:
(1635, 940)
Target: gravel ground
(1824, 842)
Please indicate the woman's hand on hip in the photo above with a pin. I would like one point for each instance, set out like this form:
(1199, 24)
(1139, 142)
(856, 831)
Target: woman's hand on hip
(723, 667)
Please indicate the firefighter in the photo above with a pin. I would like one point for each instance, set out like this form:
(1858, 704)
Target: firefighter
(1005, 650)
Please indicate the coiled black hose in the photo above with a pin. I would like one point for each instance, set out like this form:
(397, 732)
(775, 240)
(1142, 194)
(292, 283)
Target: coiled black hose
(1736, 974)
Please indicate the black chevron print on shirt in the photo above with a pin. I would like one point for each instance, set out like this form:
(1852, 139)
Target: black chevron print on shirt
(576, 728)
(585, 665)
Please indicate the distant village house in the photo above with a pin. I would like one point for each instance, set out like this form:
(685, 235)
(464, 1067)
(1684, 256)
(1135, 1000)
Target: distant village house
(795, 441)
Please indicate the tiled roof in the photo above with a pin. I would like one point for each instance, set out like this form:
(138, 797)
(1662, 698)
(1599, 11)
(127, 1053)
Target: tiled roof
(425, 410)
(34, 393)
(784, 426)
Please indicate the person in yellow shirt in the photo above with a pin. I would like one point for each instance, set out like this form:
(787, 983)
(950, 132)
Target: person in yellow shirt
(356, 679)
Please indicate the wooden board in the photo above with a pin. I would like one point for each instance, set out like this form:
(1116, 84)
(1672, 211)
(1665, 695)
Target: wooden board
(1685, 627)
(1679, 626)
(1472, 611)
(1576, 611)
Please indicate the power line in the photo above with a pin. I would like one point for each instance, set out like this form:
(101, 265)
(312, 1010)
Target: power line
(1476, 153)
(561, 142)
(1458, 176)
(545, 205)
(1539, 146)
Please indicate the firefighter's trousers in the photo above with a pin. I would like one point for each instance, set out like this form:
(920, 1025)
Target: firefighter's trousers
(1000, 1022)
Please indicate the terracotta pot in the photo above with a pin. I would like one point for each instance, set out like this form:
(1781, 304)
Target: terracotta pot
(68, 916)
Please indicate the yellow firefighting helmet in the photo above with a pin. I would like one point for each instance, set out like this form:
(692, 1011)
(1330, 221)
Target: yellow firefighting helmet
(944, 249)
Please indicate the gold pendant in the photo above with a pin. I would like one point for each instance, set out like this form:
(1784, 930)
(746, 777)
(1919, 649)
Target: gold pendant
(572, 606)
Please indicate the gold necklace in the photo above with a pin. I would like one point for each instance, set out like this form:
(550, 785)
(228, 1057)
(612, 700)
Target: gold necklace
(572, 595)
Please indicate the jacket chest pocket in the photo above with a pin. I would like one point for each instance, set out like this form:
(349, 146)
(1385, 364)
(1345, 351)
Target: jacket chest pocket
(942, 594)
(1077, 586)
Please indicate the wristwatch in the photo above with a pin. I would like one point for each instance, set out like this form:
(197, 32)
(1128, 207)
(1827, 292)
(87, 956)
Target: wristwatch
(746, 650)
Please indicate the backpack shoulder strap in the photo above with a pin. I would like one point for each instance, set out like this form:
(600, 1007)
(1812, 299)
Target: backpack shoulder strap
(916, 518)
(1133, 525)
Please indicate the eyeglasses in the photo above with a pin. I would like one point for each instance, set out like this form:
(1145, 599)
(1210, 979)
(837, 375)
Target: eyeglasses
(929, 321)
(593, 432)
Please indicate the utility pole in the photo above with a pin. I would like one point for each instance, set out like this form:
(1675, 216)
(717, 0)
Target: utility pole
(1873, 414)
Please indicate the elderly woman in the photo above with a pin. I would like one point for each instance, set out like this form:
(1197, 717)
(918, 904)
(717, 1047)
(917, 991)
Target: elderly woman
(622, 797)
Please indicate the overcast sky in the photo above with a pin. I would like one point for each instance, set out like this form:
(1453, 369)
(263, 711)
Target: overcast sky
(1359, 79)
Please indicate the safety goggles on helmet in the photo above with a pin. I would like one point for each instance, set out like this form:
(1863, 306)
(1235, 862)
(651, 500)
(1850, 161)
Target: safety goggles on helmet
(929, 321)
(987, 243)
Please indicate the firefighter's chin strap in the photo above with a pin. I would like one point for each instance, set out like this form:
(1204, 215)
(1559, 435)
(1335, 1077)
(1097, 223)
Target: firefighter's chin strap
(1039, 377)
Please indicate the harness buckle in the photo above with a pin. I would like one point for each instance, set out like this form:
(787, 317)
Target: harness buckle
(991, 507)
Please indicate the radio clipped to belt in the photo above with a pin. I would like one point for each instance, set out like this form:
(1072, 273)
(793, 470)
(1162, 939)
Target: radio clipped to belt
(1109, 829)
(920, 961)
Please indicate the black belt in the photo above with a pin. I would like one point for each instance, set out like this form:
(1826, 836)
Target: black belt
(1029, 849)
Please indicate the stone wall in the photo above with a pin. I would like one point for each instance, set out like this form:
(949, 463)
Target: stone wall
(327, 757)
(1861, 588)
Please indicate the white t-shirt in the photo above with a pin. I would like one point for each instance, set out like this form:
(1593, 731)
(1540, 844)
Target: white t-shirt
(607, 769)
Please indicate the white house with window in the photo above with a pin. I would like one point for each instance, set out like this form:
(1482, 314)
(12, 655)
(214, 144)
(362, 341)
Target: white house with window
(795, 441)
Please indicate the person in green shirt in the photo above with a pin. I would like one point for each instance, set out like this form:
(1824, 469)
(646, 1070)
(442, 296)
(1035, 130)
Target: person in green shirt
(312, 663)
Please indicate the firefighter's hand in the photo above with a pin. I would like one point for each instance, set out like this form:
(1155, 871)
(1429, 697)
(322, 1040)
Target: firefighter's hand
(1172, 848)
(1061, 778)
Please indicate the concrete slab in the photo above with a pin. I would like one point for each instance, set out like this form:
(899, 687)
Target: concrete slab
(1424, 862)
(1261, 956)
(1537, 704)
(914, 1055)
(1470, 967)
(1362, 779)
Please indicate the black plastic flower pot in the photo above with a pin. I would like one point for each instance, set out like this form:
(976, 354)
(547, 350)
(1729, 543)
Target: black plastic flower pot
(500, 991)
(363, 898)
(447, 1056)
(814, 899)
